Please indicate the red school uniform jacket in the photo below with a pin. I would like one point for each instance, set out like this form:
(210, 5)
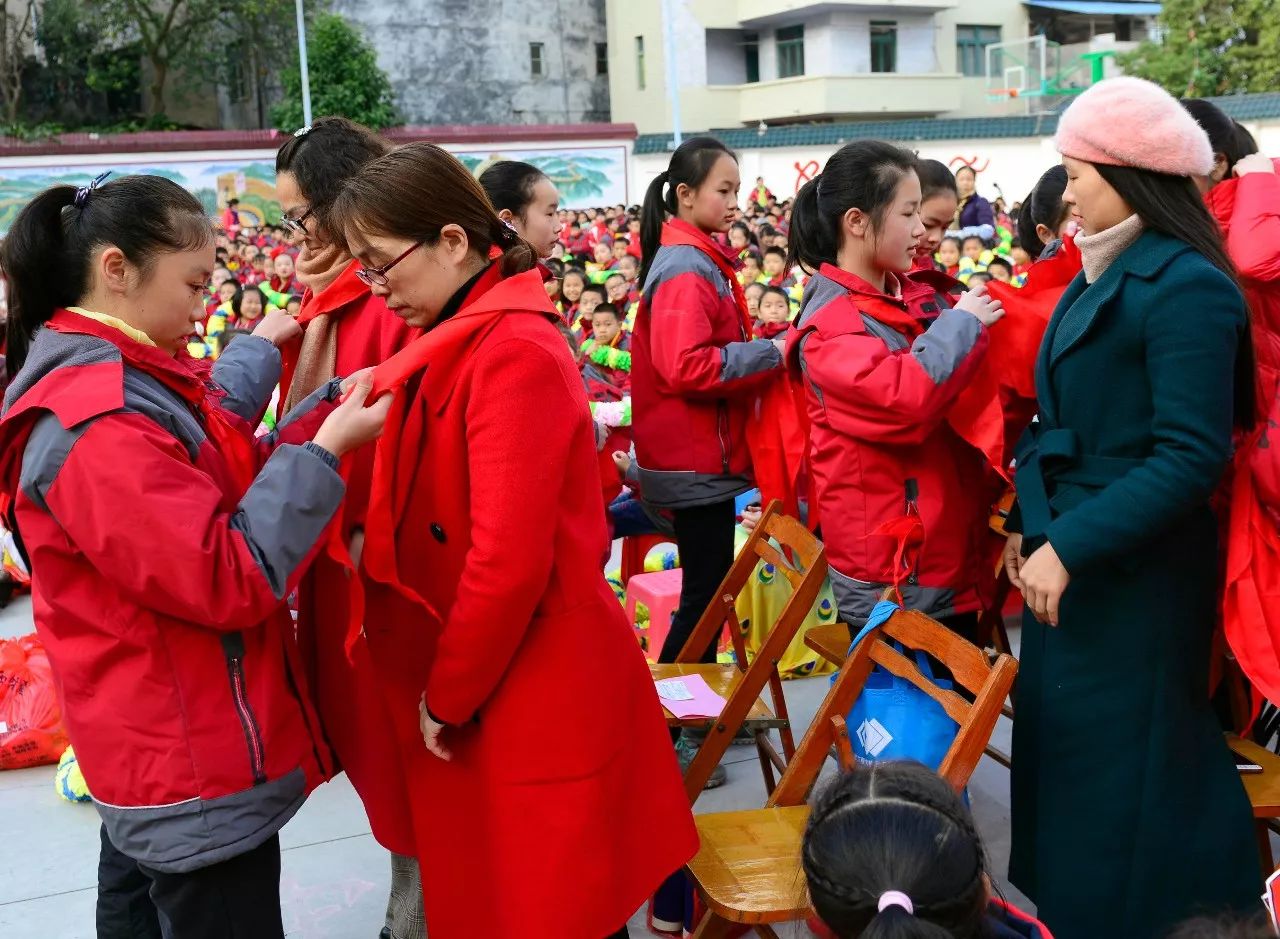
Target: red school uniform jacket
(479, 539)
(162, 551)
(345, 687)
(903, 499)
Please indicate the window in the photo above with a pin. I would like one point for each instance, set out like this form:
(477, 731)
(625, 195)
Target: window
(602, 58)
(237, 85)
(884, 46)
(971, 48)
(751, 55)
(535, 59)
(790, 51)
(640, 62)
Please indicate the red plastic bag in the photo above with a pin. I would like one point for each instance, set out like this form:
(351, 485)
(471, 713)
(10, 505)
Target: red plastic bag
(31, 731)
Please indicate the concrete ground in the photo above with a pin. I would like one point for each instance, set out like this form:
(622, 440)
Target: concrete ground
(335, 876)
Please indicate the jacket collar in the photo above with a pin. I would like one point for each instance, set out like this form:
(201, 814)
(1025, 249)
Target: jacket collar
(679, 232)
(1145, 258)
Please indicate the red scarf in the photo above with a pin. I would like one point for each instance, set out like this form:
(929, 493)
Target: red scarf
(677, 232)
(186, 377)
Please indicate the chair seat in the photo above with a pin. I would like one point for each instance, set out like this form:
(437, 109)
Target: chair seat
(747, 868)
(1263, 788)
(723, 680)
(831, 642)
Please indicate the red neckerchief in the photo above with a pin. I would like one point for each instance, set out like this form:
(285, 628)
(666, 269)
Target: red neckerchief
(677, 232)
(189, 378)
(345, 288)
(880, 306)
(399, 450)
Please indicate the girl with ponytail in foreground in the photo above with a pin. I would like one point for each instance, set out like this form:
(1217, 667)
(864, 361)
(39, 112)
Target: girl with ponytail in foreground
(478, 616)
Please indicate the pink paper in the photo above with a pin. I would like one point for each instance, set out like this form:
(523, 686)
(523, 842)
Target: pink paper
(704, 703)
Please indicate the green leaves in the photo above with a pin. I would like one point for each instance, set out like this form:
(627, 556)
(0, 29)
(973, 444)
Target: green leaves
(345, 79)
(1211, 48)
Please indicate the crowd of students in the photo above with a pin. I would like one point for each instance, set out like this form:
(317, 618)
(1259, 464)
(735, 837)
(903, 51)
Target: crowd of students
(409, 413)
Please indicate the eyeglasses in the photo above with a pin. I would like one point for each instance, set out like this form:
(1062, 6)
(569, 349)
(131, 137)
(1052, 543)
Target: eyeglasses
(295, 225)
(377, 276)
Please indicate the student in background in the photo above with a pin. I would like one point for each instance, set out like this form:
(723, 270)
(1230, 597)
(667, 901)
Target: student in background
(775, 314)
(527, 201)
(939, 201)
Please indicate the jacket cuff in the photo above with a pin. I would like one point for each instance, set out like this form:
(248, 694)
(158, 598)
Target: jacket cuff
(329, 458)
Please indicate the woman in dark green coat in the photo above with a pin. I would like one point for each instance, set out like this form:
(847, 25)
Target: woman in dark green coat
(1128, 812)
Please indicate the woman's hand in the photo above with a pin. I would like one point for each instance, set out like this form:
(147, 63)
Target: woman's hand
(1255, 163)
(1013, 561)
(431, 731)
(987, 310)
(278, 327)
(351, 424)
(1043, 581)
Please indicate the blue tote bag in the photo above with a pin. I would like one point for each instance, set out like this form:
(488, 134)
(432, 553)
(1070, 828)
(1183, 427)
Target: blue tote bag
(892, 718)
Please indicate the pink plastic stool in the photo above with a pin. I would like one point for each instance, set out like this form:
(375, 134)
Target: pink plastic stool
(660, 592)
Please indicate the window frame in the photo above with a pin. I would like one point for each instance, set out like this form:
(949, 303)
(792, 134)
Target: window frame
(790, 50)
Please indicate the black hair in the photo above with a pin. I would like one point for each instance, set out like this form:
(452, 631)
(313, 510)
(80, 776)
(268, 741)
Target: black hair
(556, 267)
(1003, 262)
(325, 157)
(752, 241)
(614, 274)
(573, 271)
(935, 179)
(894, 827)
(752, 255)
(607, 307)
(774, 249)
(238, 299)
(957, 173)
(1172, 205)
(776, 290)
(231, 202)
(983, 274)
(629, 257)
(292, 298)
(690, 166)
(953, 239)
(1225, 135)
(46, 254)
(754, 283)
(509, 184)
(978, 238)
(598, 290)
(865, 175)
(1044, 206)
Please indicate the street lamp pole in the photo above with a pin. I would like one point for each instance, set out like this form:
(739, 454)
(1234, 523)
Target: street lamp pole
(302, 66)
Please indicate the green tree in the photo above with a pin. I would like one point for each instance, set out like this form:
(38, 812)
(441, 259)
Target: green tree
(345, 78)
(1209, 48)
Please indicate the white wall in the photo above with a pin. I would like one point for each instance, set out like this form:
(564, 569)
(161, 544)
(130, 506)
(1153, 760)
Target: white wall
(726, 58)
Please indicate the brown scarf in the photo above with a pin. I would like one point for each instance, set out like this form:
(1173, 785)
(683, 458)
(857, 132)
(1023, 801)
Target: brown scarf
(318, 356)
(1097, 251)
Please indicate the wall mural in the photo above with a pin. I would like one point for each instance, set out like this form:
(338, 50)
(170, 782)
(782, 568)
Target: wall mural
(586, 177)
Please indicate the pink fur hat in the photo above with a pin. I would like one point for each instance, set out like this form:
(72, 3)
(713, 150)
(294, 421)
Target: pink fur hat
(1132, 122)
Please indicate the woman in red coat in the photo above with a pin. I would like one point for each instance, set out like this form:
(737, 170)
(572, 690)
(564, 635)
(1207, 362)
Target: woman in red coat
(346, 328)
(489, 640)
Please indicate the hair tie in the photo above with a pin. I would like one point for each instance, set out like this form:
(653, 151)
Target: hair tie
(302, 131)
(83, 193)
(896, 898)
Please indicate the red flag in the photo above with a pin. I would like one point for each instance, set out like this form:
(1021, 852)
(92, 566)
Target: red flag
(777, 438)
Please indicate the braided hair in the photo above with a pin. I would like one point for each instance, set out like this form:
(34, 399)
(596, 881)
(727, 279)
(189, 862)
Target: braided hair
(895, 827)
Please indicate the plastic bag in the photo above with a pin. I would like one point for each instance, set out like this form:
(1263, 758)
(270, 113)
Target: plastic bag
(31, 732)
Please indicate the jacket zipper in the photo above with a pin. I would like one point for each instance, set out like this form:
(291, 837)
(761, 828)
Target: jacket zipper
(722, 433)
(233, 649)
(913, 498)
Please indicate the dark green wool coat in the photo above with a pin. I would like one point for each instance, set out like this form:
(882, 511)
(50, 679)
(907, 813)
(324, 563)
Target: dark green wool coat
(1128, 812)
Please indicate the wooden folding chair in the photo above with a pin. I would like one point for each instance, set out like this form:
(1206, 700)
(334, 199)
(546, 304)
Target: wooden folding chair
(797, 555)
(747, 871)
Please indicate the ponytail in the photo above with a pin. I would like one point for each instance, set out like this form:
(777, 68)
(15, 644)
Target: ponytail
(1043, 206)
(690, 166)
(46, 254)
(652, 214)
(34, 262)
(518, 255)
(862, 175)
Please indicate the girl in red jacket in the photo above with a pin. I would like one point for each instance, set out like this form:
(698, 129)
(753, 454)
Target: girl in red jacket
(694, 370)
(902, 498)
(164, 542)
(482, 608)
(527, 201)
(346, 328)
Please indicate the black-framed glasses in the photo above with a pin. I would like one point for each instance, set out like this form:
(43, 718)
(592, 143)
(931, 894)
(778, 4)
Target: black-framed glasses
(377, 276)
(296, 225)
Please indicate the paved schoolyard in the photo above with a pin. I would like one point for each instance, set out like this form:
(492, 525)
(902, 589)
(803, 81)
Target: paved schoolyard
(335, 876)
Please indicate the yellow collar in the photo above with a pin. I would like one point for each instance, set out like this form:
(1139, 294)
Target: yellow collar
(136, 335)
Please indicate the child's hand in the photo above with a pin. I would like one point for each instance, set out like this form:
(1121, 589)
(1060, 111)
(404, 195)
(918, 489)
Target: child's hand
(979, 304)
(278, 327)
(622, 461)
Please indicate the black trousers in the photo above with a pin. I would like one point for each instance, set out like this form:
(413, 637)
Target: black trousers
(704, 535)
(236, 899)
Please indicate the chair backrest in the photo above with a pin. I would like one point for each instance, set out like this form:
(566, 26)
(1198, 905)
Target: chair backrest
(989, 682)
(802, 560)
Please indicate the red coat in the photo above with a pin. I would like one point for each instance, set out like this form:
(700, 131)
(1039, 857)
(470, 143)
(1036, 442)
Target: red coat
(903, 499)
(345, 688)
(162, 552)
(695, 371)
(562, 807)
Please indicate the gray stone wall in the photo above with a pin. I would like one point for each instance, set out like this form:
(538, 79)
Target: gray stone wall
(469, 61)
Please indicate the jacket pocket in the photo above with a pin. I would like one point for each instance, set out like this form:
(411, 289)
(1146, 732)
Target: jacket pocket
(233, 652)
